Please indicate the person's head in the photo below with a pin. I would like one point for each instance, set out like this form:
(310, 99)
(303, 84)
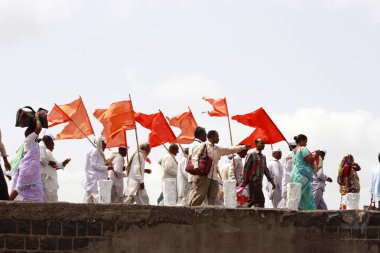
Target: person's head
(100, 142)
(260, 144)
(378, 157)
(301, 140)
(347, 159)
(145, 147)
(173, 149)
(213, 137)
(323, 154)
(200, 133)
(277, 153)
(243, 153)
(30, 130)
(49, 142)
(292, 145)
(123, 151)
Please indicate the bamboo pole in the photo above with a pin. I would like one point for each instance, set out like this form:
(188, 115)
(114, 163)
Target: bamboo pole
(231, 140)
(136, 135)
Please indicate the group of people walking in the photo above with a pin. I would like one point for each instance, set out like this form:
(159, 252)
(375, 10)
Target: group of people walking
(34, 171)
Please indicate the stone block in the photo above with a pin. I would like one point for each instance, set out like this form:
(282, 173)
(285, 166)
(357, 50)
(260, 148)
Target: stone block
(8, 227)
(358, 234)
(39, 228)
(24, 227)
(372, 233)
(32, 243)
(94, 228)
(15, 242)
(65, 244)
(81, 243)
(109, 226)
(48, 243)
(69, 228)
(81, 229)
(54, 228)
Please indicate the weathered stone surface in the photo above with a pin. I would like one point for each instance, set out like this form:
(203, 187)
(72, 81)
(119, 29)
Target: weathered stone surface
(64, 227)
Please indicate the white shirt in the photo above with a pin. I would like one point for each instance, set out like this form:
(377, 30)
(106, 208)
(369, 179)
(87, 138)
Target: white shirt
(182, 177)
(236, 174)
(48, 173)
(3, 152)
(30, 142)
(95, 170)
(136, 174)
(276, 170)
(288, 167)
(169, 166)
(192, 149)
(319, 180)
(117, 174)
(375, 184)
(215, 152)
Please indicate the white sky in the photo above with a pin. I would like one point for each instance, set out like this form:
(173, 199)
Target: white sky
(313, 65)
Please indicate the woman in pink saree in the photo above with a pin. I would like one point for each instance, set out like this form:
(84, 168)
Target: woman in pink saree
(27, 184)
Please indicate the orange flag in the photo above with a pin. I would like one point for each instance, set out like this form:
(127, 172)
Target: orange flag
(186, 122)
(265, 127)
(75, 113)
(116, 120)
(219, 106)
(161, 132)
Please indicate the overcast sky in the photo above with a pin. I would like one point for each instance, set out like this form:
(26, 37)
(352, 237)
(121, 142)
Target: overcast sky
(313, 65)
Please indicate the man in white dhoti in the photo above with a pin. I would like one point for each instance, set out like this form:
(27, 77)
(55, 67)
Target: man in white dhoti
(169, 167)
(276, 170)
(319, 184)
(49, 167)
(375, 184)
(183, 185)
(117, 175)
(96, 169)
(288, 167)
(135, 172)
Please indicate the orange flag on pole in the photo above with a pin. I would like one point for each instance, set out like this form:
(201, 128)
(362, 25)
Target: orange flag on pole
(186, 122)
(116, 120)
(161, 132)
(266, 129)
(75, 113)
(220, 108)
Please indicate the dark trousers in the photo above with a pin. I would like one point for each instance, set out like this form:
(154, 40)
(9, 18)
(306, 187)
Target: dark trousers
(4, 195)
(256, 195)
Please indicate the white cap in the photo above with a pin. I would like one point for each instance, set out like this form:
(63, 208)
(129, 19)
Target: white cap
(292, 143)
(50, 135)
(276, 149)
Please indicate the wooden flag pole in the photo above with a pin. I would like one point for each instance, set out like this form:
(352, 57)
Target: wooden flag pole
(229, 127)
(136, 135)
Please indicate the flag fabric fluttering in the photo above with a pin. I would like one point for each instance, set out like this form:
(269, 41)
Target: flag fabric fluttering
(266, 129)
(161, 132)
(117, 119)
(220, 108)
(75, 114)
(186, 122)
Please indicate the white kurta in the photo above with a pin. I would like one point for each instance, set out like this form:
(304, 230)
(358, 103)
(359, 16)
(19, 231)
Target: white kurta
(95, 170)
(236, 174)
(135, 178)
(116, 176)
(192, 149)
(183, 185)
(276, 170)
(375, 184)
(49, 174)
(169, 166)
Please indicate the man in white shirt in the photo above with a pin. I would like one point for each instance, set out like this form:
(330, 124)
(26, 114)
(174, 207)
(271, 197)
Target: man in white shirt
(208, 185)
(135, 172)
(96, 169)
(3, 184)
(288, 167)
(319, 184)
(49, 167)
(183, 185)
(169, 166)
(276, 170)
(117, 176)
(236, 167)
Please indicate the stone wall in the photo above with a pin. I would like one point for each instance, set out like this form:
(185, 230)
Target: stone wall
(63, 227)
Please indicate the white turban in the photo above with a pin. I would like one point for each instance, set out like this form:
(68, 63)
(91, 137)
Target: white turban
(276, 149)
